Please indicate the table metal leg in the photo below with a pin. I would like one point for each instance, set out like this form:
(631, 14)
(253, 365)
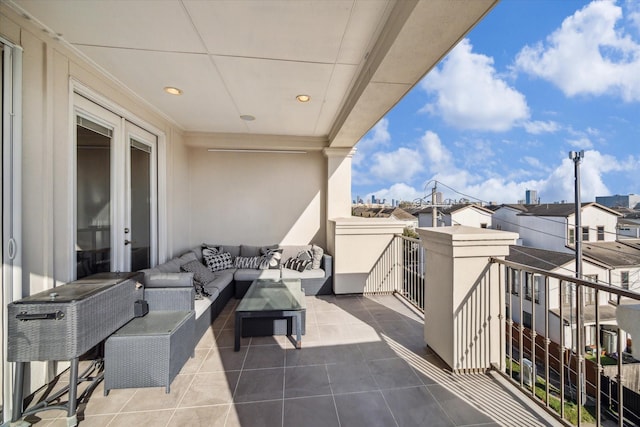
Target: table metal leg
(16, 413)
(238, 332)
(73, 393)
(297, 320)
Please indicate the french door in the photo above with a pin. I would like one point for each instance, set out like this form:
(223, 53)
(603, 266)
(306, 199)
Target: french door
(115, 188)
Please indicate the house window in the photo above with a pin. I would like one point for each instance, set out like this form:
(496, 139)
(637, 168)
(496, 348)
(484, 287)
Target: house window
(527, 286)
(538, 282)
(585, 234)
(572, 236)
(600, 232)
(526, 319)
(590, 293)
(514, 281)
(532, 287)
(624, 279)
(568, 292)
(483, 225)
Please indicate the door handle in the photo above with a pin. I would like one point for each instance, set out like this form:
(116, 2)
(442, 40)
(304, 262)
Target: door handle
(127, 242)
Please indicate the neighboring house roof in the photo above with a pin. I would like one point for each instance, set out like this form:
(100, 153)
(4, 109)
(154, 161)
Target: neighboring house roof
(614, 254)
(456, 208)
(397, 213)
(561, 209)
(539, 258)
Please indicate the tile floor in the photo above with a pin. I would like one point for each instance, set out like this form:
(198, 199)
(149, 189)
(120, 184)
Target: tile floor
(363, 363)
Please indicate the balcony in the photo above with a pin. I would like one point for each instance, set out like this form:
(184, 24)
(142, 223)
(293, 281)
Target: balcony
(363, 362)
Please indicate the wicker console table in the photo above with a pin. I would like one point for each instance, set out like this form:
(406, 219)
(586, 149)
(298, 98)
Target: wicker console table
(64, 323)
(149, 351)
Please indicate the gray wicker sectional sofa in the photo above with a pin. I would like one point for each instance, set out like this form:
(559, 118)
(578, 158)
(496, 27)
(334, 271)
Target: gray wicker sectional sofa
(171, 282)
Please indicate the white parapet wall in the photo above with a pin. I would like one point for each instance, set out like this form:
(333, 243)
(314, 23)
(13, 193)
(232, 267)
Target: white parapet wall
(357, 244)
(462, 295)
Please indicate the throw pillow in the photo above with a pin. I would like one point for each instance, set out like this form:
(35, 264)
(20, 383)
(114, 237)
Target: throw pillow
(306, 256)
(213, 250)
(297, 264)
(271, 258)
(247, 262)
(318, 252)
(217, 262)
(201, 277)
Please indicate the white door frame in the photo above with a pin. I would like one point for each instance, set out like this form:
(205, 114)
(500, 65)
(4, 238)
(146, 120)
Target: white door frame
(11, 250)
(160, 226)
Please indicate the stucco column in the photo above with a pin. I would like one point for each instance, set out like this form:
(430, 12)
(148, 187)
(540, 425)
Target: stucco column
(357, 245)
(339, 182)
(463, 294)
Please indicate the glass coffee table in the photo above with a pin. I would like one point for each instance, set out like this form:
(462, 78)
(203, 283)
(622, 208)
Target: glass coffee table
(273, 299)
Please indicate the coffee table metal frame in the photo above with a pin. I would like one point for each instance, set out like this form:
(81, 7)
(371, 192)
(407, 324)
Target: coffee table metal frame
(272, 299)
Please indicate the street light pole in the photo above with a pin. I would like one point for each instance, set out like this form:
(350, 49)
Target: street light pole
(577, 157)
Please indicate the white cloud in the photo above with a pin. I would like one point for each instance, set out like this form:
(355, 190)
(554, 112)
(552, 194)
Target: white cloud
(399, 165)
(438, 157)
(377, 137)
(533, 162)
(469, 94)
(537, 127)
(588, 55)
(581, 143)
(399, 191)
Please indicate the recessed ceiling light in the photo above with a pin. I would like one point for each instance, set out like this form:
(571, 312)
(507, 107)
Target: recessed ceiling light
(247, 117)
(303, 98)
(173, 90)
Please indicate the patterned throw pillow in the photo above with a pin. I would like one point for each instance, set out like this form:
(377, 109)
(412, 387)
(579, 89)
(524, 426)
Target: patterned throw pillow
(247, 262)
(202, 276)
(270, 258)
(213, 250)
(297, 264)
(217, 262)
(318, 252)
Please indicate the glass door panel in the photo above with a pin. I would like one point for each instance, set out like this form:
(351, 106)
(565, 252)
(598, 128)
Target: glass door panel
(93, 197)
(140, 230)
(140, 248)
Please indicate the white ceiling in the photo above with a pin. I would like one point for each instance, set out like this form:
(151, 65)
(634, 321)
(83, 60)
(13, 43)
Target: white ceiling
(233, 58)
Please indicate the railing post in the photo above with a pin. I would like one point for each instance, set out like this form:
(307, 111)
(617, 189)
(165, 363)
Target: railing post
(460, 275)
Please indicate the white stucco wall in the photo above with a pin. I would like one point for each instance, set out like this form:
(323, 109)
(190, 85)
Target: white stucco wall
(256, 198)
(471, 218)
(47, 167)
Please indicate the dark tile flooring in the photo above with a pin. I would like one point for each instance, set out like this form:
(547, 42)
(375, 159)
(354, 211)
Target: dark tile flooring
(363, 363)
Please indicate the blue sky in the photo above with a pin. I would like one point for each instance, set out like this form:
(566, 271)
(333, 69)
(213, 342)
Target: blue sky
(533, 81)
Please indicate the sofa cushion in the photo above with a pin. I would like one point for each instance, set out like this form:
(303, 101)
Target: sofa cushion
(201, 305)
(223, 279)
(316, 273)
(218, 261)
(250, 274)
(247, 261)
(168, 280)
(317, 256)
(271, 258)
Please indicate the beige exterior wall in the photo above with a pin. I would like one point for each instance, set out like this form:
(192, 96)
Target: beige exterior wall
(256, 198)
(47, 166)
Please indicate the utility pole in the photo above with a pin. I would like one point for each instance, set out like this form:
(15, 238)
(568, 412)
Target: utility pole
(434, 209)
(577, 157)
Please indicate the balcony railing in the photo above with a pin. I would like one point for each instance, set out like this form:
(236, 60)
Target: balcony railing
(555, 345)
(400, 270)
(562, 344)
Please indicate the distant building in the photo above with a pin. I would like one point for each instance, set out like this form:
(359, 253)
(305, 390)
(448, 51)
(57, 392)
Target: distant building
(460, 214)
(531, 197)
(631, 201)
(385, 212)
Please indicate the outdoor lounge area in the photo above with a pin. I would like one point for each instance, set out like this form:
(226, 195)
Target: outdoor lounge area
(362, 364)
(127, 142)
